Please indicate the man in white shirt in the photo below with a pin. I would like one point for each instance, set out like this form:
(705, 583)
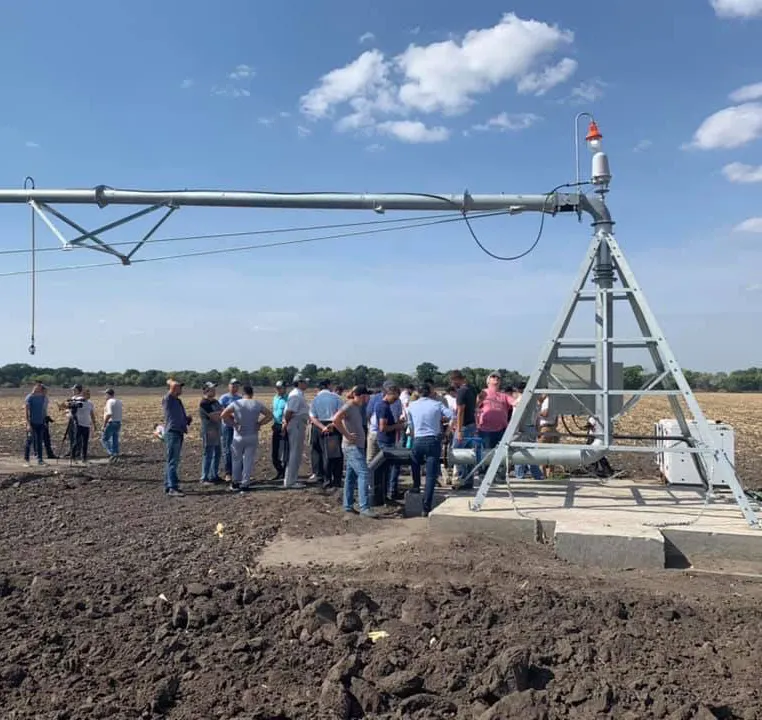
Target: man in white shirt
(83, 415)
(294, 428)
(112, 425)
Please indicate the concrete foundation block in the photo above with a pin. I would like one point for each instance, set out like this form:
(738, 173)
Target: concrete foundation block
(517, 528)
(617, 547)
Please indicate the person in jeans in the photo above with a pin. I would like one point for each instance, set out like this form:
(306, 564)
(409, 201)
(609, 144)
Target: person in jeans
(85, 424)
(277, 450)
(464, 427)
(112, 425)
(527, 433)
(348, 421)
(390, 424)
(247, 416)
(36, 410)
(209, 411)
(230, 396)
(176, 422)
(427, 419)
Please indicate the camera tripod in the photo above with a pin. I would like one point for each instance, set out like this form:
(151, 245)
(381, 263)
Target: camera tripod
(71, 433)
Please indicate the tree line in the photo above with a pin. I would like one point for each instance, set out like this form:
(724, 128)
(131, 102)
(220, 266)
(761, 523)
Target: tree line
(20, 374)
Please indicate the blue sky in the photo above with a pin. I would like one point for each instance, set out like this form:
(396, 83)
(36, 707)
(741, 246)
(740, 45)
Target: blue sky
(377, 97)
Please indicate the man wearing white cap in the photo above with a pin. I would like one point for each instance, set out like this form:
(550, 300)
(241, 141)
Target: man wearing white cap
(295, 427)
(278, 443)
(112, 425)
(233, 394)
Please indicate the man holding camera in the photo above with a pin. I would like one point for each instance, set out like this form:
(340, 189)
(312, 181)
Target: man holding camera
(81, 413)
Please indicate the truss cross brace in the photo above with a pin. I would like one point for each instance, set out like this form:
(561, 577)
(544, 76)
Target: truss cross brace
(603, 263)
(43, 210)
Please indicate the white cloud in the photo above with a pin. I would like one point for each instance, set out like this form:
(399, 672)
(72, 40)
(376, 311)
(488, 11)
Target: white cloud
(187, 83)
(413, 131)
(747, 93)
(737, 8)
(752, 225)
(540, 82)
(242, 72)
(509, 121)
(442, 77)
(303, 131)
(588, 91)
(32, 144)
(374, 147)
(741, 173)
(366, 37)
(415, 30)
(230, 91)
(730, 127)
(642, 146)
(365, 75)
(284, 114)
(266, 121)
(754, 287)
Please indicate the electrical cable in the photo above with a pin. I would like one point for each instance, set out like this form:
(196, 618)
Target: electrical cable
(219, 251)
(511, 258)
(273, 231)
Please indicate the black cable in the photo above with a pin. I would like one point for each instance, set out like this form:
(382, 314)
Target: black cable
(510, 258)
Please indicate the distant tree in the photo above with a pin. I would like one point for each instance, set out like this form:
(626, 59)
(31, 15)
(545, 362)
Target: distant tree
(633, 377)
(427, 371)
(310, 370)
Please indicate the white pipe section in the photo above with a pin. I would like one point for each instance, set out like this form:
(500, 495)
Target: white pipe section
(541, 455)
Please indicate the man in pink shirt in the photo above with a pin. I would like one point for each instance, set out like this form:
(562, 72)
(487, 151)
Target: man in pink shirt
(494, 412)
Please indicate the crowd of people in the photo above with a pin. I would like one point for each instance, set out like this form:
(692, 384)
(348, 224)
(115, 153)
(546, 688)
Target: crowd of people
(343, 432)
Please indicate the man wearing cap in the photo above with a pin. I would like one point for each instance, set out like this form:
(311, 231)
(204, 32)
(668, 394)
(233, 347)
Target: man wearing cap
(278, 448)
(176, 422)
(325, 440)
(348, 421)
(494, 413)
(209, 411)
(295, 427)
(112, 425)
(465, 422)
(36, 410)
(233, 394)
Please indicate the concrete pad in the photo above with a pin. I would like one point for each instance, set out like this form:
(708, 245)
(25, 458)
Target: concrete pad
(628, 515)
(619, 547)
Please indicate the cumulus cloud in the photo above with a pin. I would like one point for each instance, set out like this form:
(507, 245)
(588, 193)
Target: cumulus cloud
(738, 172)
(231, 91)
(729, 128)
(642, 146)
(187, 83)
(509, 121)
(747, 93)
(588, 91)
(443, 77)
(752, 225)
(737, 8)
(242, 72)
(366, 37)
(413, 131)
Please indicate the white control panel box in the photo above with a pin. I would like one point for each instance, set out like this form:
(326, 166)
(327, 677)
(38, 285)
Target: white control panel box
(679, 468)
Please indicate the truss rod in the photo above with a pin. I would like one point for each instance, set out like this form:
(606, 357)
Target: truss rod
(102, 196)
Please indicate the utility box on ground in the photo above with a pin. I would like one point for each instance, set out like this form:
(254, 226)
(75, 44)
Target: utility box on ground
(579, 374)
(679, 468)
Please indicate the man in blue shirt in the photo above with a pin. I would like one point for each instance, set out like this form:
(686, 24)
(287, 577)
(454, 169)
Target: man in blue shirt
(233, 394)
(390, 423)
(176, 423)
(277, 454)
(325, 439)
(427, 418)
(36, 409)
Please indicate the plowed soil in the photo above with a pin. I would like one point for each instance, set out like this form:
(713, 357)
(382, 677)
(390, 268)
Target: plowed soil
(118, 602)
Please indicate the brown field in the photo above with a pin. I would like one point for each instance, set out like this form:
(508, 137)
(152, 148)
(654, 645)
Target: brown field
(118, 602)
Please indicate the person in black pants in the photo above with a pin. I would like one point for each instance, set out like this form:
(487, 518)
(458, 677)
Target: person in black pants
(279, 448)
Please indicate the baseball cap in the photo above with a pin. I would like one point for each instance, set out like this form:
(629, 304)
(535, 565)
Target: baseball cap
(233, 381)
(209, 385)
(300, 378)
(495, 373)
(109, 391)
(279, 383)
